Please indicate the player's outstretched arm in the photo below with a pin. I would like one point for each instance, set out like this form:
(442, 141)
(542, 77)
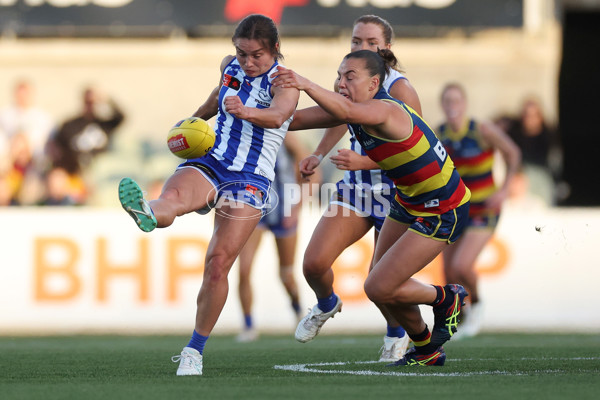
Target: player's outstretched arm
(281, 109)
(312, 118)
(344, 159)
(330, 138)
(366, 113)
(332, 135)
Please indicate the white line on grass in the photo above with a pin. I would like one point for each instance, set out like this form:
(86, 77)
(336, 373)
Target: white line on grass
(314, 368)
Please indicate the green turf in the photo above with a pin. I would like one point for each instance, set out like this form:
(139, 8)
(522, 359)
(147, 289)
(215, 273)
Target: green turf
(502, 366)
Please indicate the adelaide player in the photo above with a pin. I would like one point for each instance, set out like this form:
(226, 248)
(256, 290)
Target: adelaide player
(360, 192)
(472, 146)
(430, 207)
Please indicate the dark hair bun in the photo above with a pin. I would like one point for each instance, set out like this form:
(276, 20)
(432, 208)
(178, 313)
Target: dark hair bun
(388, 57)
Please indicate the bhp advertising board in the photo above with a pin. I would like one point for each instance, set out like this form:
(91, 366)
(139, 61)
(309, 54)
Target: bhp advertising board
(90, 270)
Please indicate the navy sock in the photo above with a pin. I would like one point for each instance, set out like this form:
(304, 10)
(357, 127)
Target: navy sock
(445, 296)
(326, 304)
(248, 321)
(197, 342)
(440, 295)
(422, 342)
(395, 331)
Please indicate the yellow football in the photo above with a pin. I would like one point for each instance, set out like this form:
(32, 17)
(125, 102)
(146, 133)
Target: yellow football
(191, 138)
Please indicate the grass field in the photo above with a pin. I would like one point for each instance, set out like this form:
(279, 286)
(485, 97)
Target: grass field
(491, 366)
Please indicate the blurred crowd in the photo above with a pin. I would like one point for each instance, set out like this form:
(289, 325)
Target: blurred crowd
(43, 162)
(540, 177)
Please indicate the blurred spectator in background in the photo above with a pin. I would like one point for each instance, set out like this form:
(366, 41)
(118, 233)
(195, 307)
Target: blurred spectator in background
(26, 176)
(23, 117)
(20, 156)
(542, 160)
(59, 190)
(82, 137)
(7, 193)
(24, 130)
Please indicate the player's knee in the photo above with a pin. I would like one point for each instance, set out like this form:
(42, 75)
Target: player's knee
(180, 202)
(375, 291)
(382, 293)
(216, 268)
(315, 264)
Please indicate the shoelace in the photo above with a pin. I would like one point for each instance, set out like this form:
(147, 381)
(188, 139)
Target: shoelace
(185, 358)
(312, 320)
(145, 211)
(452, 321)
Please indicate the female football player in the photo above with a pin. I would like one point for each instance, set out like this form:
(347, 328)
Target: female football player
(235, 177)
(430, 207)
(356, 207)
(472, 145)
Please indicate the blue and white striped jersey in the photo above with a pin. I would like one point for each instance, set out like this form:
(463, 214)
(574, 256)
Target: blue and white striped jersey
(241, 145)
(373, 178)
(393, 77)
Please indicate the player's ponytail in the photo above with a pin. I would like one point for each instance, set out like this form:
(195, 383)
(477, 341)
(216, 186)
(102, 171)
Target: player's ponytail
(390, 60)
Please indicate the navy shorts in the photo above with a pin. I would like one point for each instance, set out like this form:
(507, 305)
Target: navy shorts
(447, 226)
(238, 186)
(280, 210)
(273, 221)
(371, 203)
(484, 220)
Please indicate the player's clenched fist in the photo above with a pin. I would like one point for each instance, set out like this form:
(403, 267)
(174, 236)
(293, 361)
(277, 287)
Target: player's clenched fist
(234, 106)
(308, 165)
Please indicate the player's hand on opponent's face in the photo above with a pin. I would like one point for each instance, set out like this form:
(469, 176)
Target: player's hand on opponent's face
(347, 160)
(234, 106)
(286, 78)
(308, 166)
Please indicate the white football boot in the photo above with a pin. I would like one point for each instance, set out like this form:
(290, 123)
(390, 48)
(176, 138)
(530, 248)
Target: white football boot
(311, 324)
(247, 335)
(472, 324)
(393, 348)
(190, 362)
